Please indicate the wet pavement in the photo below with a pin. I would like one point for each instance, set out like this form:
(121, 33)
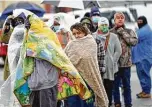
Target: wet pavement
(134, 85)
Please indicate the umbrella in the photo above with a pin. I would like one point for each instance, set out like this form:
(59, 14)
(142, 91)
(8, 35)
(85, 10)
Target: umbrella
(36, 9)
(75, 4)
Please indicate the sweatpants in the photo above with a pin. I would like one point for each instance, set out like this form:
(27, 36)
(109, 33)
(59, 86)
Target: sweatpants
(44, 97)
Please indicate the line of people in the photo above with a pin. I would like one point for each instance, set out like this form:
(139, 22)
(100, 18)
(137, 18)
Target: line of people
(116, 43)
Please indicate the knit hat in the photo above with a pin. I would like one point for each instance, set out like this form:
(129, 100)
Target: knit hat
(95, 11)
(103, 20)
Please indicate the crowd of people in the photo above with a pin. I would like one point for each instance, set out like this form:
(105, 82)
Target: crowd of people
(83, 65)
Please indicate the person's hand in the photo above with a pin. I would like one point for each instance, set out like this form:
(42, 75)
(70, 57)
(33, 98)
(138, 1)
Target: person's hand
(120, 30)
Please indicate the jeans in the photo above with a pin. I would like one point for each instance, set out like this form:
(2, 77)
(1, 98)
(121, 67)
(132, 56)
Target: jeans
(143, 72)
(123, 75)
(76, 101)
(108, 84)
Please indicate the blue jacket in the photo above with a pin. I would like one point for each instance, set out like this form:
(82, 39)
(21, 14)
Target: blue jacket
(143, 50)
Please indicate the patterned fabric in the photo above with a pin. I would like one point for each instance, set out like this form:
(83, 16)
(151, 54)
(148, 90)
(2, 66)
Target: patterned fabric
(101, 56)
(127, 38)
(111, 55)
(83, 54)
(41, 42)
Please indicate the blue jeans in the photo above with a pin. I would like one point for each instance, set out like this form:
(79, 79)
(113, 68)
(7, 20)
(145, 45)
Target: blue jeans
(143, 72)
(123, 75)
(76, 101)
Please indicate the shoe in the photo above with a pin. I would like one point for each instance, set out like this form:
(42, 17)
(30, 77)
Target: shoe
(117, 105)
(139, 93)
(143, 95)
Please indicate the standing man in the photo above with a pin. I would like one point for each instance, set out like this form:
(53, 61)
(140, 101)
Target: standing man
(95, 16)
(142, 56)
(127, 38)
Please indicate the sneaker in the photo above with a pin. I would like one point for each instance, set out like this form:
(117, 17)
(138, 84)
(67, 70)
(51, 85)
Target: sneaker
(117, 105)
(143, 95)
(139, 93)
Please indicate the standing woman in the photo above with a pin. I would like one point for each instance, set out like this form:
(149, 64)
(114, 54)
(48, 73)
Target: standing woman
(83, 54)
(113, 51)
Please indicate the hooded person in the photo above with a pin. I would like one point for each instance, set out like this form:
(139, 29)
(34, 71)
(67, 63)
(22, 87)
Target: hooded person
(87, 22)
(112, 50)
(142, 56)
(142, 21)
(60, 23)
(14, 46)
(4, 38)
(83, 54)
(95, 16)
(42, 64)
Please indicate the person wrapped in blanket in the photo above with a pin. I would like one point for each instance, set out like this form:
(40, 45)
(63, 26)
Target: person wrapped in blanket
(42, 73)
(83, 54)
(4, 39)
(60, 23)
(87, 22)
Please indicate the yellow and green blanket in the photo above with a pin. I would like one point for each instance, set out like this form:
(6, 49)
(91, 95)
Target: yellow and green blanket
(41, 42)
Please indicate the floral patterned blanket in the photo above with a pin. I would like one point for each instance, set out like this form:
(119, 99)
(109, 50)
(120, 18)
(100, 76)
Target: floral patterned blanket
(41, 42)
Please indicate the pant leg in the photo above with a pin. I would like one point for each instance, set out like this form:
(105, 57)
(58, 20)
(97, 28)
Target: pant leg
(34, 99)
(48, 97)
(108, 84)
(140, 75)
(126, 75)
(74, 101)
(116, 88)
(44, 97)
(59, 103)
(146, 75)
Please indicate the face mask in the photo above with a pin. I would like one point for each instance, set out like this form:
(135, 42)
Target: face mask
(104, 29)
(56, 28)
(95, 19)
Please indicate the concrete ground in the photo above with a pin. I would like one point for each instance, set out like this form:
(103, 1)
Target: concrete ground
(135, 86)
